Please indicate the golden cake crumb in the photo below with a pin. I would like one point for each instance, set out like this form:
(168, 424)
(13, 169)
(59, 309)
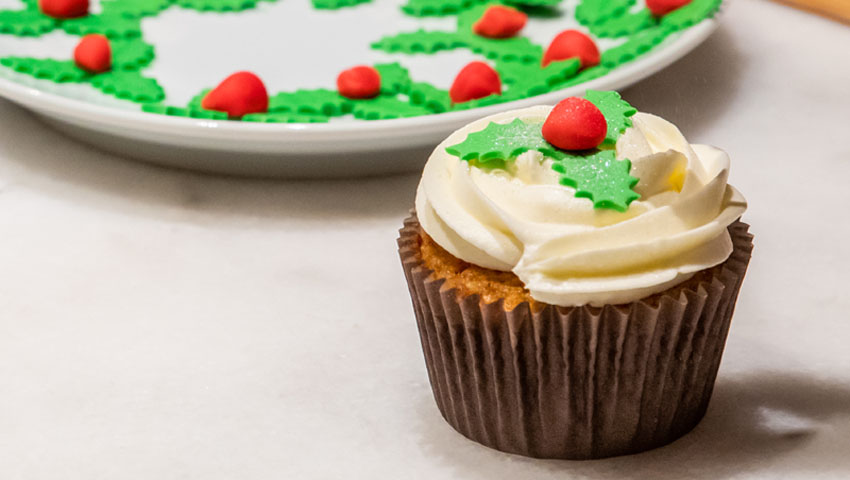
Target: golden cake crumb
(490, 285)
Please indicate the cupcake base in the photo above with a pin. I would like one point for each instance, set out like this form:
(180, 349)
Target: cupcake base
(574, 382)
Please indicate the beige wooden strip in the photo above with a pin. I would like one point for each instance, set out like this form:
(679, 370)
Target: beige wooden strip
(837, 9)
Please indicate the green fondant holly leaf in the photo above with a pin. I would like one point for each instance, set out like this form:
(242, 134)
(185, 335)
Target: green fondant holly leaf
(131, 54)
(594, 12)
(394, 78)
(690, 14)
(193, 109)
(595, 175)
(218, 5)
(623, 25)
(533, 3)
(284, 118)
(135, 8)
(420, 41)
(113, 25)
(516, 48)
(599, 177)
(425, 8)
(195, 102)
(560, 71)
(25, 23)
(511, 72)
(529, 79)
(129, 86)
(59, 71)
(467, 18)
(434, 99)
(183, 112)
(616, 111)
(521, 90)
(314, 102)
(586, 75)
(335, 4)
(509, 94)
(384, 108)
(482, 102)
(500, 141)
(637, 45)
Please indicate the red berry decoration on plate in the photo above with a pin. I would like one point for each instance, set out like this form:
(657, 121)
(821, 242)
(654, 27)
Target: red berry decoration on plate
(575, 124)
(659, 8)
(64, 8)
(359, 82)
(476, 80)
(238, 95)
(569, 44)
(500, 22)
(93, 54)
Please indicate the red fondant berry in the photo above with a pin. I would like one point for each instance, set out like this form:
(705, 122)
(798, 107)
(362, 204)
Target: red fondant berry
(575, 124)
(500, 22)
(93, 54)
(476, 80)
(569, 44)
(359, 82)
(64, 8)
(660, 8)
(238, 95)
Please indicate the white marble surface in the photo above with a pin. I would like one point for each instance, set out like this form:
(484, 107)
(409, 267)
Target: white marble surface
(157, 324)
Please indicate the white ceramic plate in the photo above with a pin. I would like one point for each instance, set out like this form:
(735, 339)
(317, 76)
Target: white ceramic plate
(344, 148)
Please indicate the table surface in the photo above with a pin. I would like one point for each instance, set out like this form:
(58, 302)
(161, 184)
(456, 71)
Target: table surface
(159, 324)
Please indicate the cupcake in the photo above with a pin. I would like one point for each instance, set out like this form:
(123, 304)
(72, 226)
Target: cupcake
(573, 272)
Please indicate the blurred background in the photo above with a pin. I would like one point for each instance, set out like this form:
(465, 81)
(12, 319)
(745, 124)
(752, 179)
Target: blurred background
(164, 323)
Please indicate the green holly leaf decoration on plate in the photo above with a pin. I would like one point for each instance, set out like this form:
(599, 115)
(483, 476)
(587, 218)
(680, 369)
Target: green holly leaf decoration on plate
(336, 4)
(594, 12)
(25, 23)
(173, 111)
(638, 44)
(384, 108)
(533, 3)
(218, 5)
(394, 78)
(420, 41)
(311, 102)
(113, 25)
(131, 54)
(435, 99)
(425, 8)
(625, 24)
(129, 85)
(135, 8)
(690, 14)
(283, 118)
(60, 71)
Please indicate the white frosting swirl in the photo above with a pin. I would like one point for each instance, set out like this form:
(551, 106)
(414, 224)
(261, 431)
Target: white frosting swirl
(565, 251)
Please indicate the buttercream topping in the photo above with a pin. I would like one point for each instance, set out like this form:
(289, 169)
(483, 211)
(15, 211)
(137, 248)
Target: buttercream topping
(567, 253)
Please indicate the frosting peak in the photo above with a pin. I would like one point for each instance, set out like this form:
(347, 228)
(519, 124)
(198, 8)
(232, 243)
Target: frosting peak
(519, 218)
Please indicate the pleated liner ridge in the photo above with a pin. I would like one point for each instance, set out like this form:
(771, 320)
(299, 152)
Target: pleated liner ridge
(575, 382)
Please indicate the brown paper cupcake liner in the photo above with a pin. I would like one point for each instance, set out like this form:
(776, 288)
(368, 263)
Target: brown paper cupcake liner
(575, 382)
